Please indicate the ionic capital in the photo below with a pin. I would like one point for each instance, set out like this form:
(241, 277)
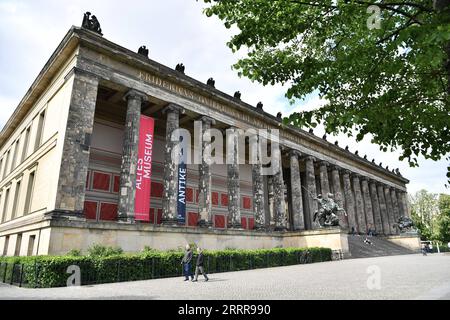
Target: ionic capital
(173, 108)
(135, 95)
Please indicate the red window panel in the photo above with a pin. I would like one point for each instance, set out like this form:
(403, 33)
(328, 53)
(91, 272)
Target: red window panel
(157, 190)
(192, 219)
(244, 222)
(159, 217)
(108, 211)
(215, 198)
(87, 180)
(219, 221)
(251, 223)
(102, 181)
(116, 185)
(224, 199)
(190, 195)
(90, 210)
(247, 203)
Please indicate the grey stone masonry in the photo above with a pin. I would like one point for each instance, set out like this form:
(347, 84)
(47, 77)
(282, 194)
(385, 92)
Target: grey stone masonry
(76, 148)
(270, 217)
(338, 196)
(349, 201)
(312, 192)
(383, 210)
(389, 209)
(296, 192)
(370, 222)
(169, 201)
(258, 188)
(278, 192)
(233, 184)
(130, 155)
(395, 205)
(205, 180)
(360, 214)
(324, 183)
(376, 207)
(403, 202)
(401, 209)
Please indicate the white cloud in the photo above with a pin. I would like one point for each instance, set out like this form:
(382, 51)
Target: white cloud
(174, 31)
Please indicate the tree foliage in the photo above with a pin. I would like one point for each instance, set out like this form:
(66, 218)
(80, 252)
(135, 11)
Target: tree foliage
(392, 82)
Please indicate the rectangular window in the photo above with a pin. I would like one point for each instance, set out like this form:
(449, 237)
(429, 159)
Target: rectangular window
(16, 201)
(18, 245)
(31, 242)
(16, 151)
(5, 205)
(29, 194)
(39, 131)
(25, 144)
(5, 246)
(5, 168)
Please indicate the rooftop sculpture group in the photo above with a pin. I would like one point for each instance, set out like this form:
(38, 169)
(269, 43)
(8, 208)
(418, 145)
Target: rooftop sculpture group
(91, 23)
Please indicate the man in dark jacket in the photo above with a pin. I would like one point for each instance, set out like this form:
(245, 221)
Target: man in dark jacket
(199, 266)
(187, 262)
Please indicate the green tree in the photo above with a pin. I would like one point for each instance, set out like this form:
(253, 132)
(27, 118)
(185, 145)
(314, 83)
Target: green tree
(424, 211)
(442, 232)
(390, 80)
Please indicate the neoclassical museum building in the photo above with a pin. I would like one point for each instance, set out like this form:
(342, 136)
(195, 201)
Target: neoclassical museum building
(70, 166)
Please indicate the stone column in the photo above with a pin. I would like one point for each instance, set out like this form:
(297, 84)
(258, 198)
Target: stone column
(278, 190)
(360, 215)
(401, 209)
(312, 192)
(383, 210)
(349, 201)
(258, 188)
(233, 180)
(395, 205)
(130, 155)
(390, 209)
(270, 213)
(338, 196)
(169, 201)
(324, 183)
(296, 192)
(403, 199)
(376, 207)
(76, 144)
(370, 223)
(205, 180)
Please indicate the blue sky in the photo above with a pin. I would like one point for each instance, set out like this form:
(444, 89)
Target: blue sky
(174, 31)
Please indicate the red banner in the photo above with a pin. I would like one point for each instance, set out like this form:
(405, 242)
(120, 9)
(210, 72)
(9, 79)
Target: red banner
(144, 169)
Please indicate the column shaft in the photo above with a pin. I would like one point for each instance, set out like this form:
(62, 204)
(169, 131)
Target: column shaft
(338, 196)
(234, 193)
(349, 202)
(376, 207)
(130, 155)
(205, 180)
(395, 205)
(324, 183)
(360, 215)
(383, 210)
(278, 190)
(169, 202)
(312, 192)
(370, 222)
(296, 193)
(390, 210)
(258, 189)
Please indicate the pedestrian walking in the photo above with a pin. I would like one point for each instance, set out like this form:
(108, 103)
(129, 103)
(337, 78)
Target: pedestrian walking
(187, 263)
(200, 266)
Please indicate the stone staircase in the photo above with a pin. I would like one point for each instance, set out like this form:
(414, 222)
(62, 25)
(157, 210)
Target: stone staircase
(380, 247)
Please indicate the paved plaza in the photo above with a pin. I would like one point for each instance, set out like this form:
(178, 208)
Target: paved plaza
(397, 277)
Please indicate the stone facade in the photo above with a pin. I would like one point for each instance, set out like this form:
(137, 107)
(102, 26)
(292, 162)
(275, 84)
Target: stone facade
(108, 87)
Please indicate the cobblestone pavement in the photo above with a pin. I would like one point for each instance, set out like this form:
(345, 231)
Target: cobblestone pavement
(400, 277)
